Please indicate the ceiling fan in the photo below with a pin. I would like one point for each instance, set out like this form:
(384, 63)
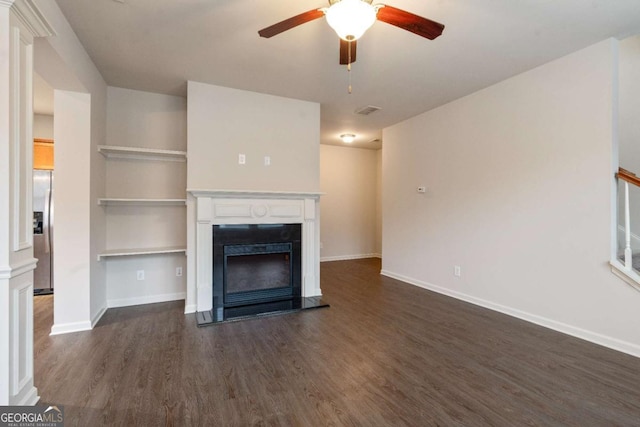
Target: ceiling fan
(351, 18)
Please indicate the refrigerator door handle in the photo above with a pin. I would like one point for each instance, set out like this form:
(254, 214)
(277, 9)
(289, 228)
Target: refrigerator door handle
(46, 222)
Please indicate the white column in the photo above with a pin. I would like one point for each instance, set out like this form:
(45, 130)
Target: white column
(20, 21)
(204, 249)
(311, 250)
(190, 305)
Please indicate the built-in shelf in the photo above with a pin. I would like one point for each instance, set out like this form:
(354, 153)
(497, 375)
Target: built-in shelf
(144, 251)
(111, 152)
(154, 202)
(142, 153)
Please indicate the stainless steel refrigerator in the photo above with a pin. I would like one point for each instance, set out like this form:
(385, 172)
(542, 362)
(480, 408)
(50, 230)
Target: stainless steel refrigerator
(43, 231)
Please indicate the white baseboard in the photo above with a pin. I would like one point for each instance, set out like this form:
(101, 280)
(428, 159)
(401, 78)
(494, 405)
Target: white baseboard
(97, 317)
(30, 398)
(191, 308)
(66, 328)
(596, 338)
(348, 257)
(150, 299)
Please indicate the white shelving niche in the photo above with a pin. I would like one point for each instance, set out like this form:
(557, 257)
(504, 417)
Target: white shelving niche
(144, 203)
(140, 226)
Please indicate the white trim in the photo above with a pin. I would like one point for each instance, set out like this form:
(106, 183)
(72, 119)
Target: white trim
(31, 17)
(97, 317)
(30, 398)
(348, 257)
(190, 308)
(6, 3)
(629, 276)
(15, 52)
(244, 194)
(606, 341)
(22, 320)
(66, 328)
(150, 299)
(9, 272)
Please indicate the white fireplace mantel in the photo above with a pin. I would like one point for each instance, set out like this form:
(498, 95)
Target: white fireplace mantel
(216, 207)
(253, 194)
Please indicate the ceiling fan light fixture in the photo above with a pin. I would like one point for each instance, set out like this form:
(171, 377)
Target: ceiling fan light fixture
(347, 138)
(351, 18)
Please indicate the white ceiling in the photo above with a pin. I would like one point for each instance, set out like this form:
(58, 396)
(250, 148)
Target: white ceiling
(157, 45)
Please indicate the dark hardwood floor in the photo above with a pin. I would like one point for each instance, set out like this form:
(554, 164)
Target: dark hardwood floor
(384, 354)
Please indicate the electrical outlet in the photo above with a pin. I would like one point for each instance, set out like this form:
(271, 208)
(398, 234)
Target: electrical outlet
(178, 271)
(242, 159)
(140, 274)
(457, 271)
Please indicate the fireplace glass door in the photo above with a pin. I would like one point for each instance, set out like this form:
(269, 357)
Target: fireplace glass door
(257, 272)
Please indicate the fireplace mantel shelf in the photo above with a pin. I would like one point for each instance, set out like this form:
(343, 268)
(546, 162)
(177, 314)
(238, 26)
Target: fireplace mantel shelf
(255, 194)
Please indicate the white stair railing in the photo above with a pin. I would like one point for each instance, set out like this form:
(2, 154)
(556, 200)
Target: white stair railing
(628, 256)
(628, 178)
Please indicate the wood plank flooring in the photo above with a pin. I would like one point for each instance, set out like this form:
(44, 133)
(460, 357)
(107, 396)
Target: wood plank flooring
(384, 354)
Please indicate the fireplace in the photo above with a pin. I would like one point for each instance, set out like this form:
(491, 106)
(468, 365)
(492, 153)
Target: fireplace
(247, 214)
(256, 263)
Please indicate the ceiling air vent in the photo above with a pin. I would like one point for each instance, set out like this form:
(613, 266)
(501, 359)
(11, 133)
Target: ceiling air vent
(365, 111)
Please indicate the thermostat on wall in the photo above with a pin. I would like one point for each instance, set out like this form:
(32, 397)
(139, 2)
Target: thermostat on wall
(422, 189)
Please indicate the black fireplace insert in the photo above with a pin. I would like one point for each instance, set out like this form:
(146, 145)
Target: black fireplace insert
(256, 263)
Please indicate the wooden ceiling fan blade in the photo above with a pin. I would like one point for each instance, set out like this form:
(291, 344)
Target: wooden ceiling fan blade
(290, 23)
(344, 52)
(408, 21)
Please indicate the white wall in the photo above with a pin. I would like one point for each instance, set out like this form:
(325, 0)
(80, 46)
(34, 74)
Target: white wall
(519, 181)
(72, 206)
(349, 181)
(43, 126)
(224, 122)
(149, 120)
(630, 104)
(629, 150)
(144, 119)
(64, 64)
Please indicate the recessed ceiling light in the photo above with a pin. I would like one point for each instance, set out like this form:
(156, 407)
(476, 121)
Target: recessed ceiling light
(347, 138)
